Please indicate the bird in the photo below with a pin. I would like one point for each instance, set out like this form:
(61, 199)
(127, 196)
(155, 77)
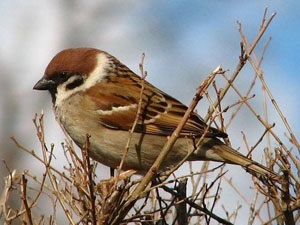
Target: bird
(95, 94)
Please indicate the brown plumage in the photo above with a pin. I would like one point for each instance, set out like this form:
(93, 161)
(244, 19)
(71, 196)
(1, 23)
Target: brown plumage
(94, 93)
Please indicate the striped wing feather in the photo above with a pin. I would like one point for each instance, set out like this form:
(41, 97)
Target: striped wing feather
(160, 115)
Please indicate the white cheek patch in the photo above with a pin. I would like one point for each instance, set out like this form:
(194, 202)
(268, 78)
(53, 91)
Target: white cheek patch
(96, 76)
(99, 72)
(63, 93)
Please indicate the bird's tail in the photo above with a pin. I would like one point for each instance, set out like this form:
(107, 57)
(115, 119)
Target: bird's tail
(215, 150)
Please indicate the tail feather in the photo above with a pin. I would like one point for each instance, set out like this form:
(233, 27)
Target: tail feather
(215, 150)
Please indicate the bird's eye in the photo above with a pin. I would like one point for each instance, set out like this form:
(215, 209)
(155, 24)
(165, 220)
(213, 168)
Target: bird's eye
(63, 74)
(61, 77)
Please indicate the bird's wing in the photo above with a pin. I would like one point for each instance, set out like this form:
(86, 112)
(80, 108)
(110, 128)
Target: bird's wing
(117, 100)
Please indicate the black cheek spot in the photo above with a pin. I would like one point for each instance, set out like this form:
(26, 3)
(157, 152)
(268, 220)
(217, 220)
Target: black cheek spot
(75, 83)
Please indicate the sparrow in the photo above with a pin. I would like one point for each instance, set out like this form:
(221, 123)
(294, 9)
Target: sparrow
(94, 94)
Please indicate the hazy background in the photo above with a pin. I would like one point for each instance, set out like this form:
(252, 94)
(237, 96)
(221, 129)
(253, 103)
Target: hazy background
(183, 42)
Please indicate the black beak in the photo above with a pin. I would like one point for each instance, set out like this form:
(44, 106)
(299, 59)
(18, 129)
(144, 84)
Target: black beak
(44, 84)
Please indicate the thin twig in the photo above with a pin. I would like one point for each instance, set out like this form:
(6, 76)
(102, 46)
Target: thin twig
(138, 113)
(242, 62)
(24, 199)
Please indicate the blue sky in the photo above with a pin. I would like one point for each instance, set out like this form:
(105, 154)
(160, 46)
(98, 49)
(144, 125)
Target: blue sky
(183, 42)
